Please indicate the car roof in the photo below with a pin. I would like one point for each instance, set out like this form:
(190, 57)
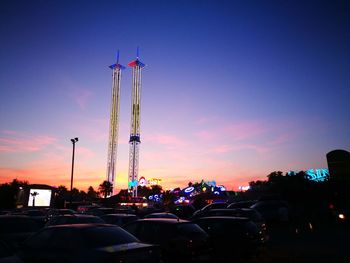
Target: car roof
(232, 218)
(161, 213)
(232, 209)
(80, 226)
(76, 215)
(119, 215)
(164, 220)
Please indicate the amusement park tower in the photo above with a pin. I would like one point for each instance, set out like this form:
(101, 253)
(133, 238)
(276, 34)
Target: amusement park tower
(135, 125)
(114, 121)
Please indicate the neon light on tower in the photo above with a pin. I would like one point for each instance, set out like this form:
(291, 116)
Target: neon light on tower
(135, 125)
(114, 121)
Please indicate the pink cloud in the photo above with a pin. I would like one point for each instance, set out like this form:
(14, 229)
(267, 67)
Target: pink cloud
(86, 152)
(206, 135)
(171, 141)
(245, 130)
(202, 120)
(239, 131)
(11, 142)
(282, 139)
(222, 149)
(80, 94)
(82, 97)
(93, 129)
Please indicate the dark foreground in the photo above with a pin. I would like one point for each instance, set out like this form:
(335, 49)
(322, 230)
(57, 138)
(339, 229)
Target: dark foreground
(327, 243)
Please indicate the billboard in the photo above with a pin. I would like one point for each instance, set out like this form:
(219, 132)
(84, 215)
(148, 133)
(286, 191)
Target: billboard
(39, 197)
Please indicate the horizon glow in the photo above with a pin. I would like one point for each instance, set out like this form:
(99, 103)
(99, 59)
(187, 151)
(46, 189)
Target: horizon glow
(232, 91)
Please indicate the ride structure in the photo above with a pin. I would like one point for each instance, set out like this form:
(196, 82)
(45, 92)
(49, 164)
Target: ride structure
(114, 122)
(135, 140)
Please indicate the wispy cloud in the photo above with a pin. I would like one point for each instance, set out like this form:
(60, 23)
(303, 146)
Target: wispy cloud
(12, 141)
(245, 130)
(80, 94)
(207, 135)
(81, 97)
(170, 141)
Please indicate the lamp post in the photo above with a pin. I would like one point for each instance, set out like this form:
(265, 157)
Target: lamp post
(71, 178)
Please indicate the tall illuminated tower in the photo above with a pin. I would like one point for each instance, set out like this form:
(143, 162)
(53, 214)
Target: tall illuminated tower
(135, 141)
(114, 121)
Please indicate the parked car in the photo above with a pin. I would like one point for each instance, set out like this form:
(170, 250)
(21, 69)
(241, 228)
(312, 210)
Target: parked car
(7, 254)
(119, 219)
(180, 240)
(161, 215)
(249, 213)
(183, 211)
(74, 219)
(14, 229)
(82, 209)
(273, 210)
(242, 204)
(58, 212)
(231, 237)
(209, 207)
(36, 214)
(99, 211)
(88, 243)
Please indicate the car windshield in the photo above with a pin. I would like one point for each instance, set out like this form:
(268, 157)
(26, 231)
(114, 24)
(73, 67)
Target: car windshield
(107, 236)
(251, 214)
(191, 230)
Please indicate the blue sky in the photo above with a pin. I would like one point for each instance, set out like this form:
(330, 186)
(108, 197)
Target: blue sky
(232, 90)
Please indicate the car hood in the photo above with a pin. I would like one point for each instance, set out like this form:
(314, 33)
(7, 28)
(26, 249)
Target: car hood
(125, 247)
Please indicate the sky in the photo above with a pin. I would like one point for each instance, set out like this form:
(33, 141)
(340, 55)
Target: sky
(231, 91)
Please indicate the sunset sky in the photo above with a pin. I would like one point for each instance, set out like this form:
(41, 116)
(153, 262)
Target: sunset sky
(231, 91)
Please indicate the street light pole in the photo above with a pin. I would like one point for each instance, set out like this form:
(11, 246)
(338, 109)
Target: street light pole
(71, 178)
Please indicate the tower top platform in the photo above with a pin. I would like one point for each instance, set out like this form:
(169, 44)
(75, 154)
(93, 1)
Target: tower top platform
(116, 65)
(136, 63)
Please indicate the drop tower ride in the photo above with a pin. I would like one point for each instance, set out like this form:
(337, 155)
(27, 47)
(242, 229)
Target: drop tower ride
(135, 141)
(114, 122)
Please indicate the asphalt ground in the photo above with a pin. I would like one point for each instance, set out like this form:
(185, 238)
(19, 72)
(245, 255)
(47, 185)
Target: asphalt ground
(323, 243)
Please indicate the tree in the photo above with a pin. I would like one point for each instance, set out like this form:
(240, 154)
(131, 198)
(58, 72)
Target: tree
(34, 195)
(143, 191)
(61, 196)
(156, 189)
(91, 193)
(105, 188)
(276, 176)
(9, 192)
(62, 192)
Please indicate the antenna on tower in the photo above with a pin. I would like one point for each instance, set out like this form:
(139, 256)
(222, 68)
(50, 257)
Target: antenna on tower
(137, 52)
(117, 56)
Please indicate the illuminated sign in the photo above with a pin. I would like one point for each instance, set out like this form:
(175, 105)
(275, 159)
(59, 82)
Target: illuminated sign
(156, 197)
(244, 188)
(317, 175)
(154, 181)
(132, 183)
(142, 181)
(39, 197)
(189, 189)
(211, 183)
(221, 188)
(182, 200)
